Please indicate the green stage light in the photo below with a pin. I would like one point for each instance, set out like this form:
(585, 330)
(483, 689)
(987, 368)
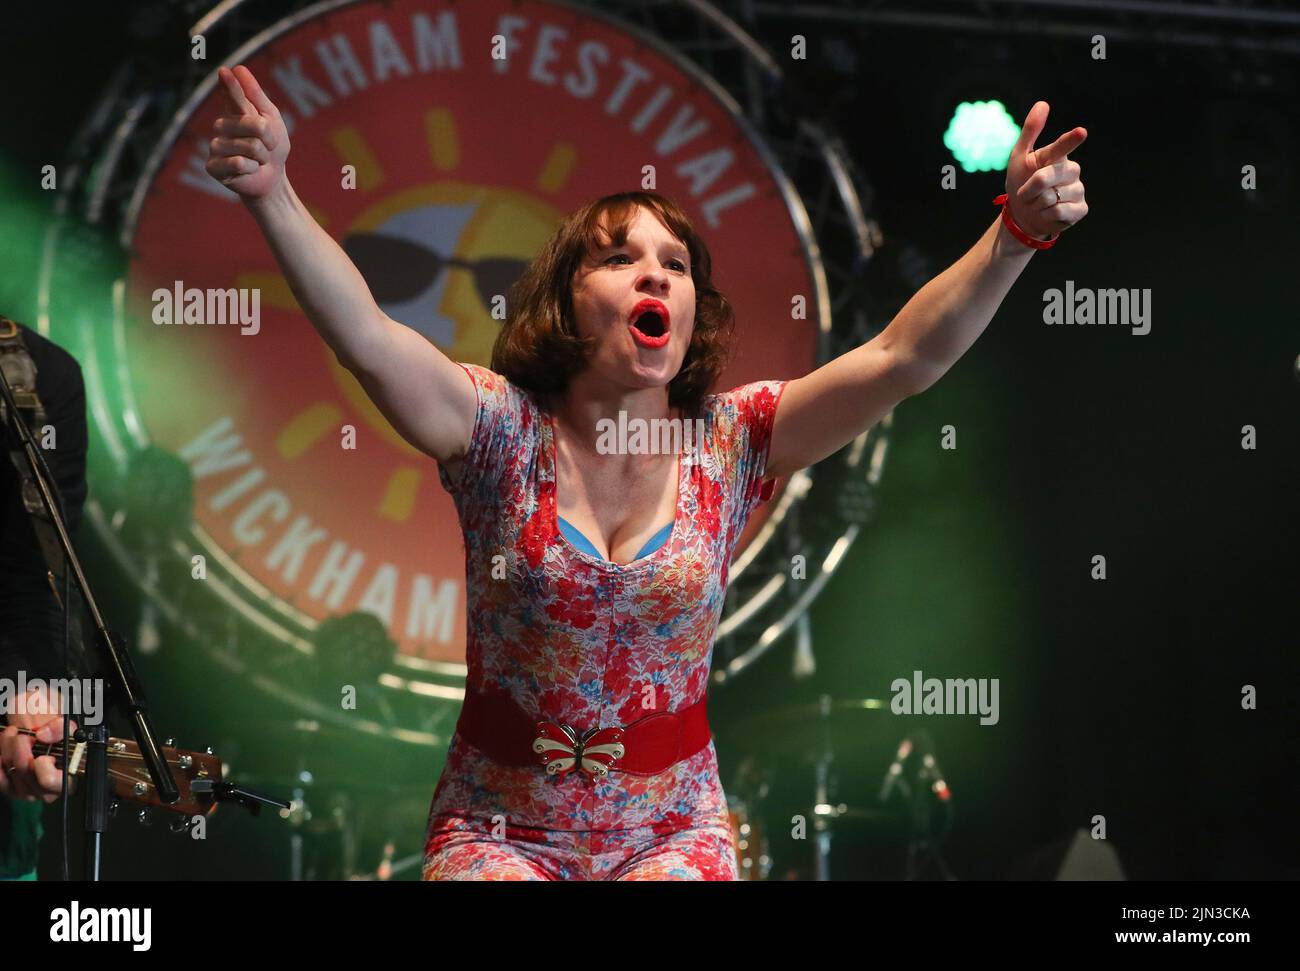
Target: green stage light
(980, 135)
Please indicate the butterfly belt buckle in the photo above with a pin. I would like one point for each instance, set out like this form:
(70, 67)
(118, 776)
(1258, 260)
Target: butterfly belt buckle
(562, 749)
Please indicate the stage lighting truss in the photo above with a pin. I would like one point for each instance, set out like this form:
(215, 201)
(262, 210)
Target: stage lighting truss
(1244, 26)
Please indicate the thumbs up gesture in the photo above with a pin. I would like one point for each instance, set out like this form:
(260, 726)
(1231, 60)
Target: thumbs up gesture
(250, 143)
(1043, 188)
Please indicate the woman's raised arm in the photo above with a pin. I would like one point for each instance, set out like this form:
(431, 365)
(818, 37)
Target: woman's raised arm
(428, 398)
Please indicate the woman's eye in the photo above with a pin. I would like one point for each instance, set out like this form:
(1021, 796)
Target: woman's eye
(678, 264)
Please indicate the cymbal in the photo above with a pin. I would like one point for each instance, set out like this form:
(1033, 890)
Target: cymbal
(852, 722)
(841, 811)
(835, 709)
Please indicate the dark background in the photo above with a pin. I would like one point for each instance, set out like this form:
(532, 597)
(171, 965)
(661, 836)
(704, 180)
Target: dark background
(1119, 698)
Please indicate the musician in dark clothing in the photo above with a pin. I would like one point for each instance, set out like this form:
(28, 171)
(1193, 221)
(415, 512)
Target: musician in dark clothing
(31, 619)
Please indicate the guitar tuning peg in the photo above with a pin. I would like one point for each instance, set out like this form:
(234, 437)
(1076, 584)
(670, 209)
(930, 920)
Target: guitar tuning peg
(112, 807)
(208, 749)
(180, 824)
(169, 743)
(144, 817)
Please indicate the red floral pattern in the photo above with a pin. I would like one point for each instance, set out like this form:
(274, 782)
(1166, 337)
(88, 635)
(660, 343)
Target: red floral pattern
(578, 639)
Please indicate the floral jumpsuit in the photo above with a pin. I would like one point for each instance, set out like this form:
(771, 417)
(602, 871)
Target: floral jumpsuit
(575, 638)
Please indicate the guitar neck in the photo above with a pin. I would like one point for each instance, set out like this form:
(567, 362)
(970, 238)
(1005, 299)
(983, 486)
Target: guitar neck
(55, 750)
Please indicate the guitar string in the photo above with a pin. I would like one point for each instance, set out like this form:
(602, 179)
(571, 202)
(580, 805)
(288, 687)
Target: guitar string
(50, 747)
(113, 773)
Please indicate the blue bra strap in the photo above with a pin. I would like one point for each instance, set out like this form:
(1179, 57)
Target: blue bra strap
(656, 541)
(576, 538)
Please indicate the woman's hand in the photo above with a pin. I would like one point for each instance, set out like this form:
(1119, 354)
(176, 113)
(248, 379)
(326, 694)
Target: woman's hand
(250, 144)
(1036, 176)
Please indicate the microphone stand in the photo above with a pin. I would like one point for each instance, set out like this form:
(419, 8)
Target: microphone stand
(124, 689)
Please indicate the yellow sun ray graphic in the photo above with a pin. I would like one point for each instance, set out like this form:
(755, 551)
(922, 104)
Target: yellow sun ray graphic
(350, 146)
(444, 142)
(307, 428)
(557, 167)
(399, 495)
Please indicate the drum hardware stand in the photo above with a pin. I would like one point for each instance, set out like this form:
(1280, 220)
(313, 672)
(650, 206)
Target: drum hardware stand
(823, 817)
(923, 840)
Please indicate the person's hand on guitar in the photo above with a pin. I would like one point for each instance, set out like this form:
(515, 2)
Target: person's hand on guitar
(23, 774)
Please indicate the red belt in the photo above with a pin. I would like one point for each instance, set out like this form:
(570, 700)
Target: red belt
(497, 726)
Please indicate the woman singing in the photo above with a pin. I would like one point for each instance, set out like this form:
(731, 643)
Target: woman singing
(595, 577)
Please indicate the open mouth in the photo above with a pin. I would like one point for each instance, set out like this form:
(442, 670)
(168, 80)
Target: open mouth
(649, 323)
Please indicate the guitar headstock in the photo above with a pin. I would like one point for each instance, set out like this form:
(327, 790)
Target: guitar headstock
(130, 779)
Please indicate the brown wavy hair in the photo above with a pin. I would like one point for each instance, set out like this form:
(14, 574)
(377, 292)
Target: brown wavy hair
(538, 347)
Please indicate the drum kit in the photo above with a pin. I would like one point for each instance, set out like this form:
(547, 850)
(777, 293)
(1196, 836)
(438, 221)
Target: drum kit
(340, 825)
(821, 791)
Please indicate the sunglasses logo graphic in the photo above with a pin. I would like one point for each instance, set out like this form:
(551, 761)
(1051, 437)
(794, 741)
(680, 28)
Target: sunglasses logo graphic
(398, 270)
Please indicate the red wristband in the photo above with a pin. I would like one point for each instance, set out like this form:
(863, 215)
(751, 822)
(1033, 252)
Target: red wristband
(1019, 233)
